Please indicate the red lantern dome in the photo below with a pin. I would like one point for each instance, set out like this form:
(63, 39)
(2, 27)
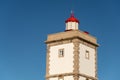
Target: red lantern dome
(72, 19)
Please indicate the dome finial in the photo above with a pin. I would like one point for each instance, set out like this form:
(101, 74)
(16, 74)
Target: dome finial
(72, 13)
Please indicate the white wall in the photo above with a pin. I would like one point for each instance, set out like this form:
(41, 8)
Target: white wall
(72, 25)
(82, 78)
(61, 65)
(56, 78)
(68, 78)
(87, 66)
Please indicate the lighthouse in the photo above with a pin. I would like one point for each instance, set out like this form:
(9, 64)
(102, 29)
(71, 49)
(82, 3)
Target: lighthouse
(71, 54)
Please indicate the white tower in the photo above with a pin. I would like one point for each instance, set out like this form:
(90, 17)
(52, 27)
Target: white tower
(71, 55)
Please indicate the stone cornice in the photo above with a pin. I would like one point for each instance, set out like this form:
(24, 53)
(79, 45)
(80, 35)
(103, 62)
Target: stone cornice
(71, 35)
(71, 74)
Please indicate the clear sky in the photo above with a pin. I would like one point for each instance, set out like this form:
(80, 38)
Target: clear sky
(25, 24)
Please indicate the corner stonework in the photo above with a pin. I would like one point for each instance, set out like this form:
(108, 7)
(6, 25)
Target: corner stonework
(76, 43)
(48, 61)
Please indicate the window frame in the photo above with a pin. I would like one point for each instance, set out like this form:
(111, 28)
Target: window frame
(61, 52)
(87, 54)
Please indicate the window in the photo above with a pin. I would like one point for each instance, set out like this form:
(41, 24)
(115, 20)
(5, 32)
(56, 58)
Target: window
(87, 55)
(61, 53)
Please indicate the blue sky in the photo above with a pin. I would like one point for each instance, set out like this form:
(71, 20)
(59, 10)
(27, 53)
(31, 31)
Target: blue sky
(25, 24)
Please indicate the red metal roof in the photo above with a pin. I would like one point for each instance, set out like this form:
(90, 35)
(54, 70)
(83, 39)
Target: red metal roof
(72, 19)
(86, 32)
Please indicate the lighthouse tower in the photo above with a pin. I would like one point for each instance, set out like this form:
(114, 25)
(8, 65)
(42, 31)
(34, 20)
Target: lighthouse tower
(72, 54)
